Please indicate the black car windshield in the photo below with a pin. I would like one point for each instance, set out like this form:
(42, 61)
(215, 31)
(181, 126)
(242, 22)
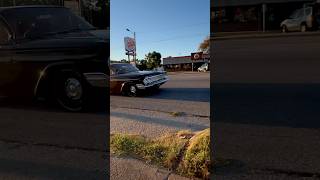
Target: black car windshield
(36, 22)
(123, 68)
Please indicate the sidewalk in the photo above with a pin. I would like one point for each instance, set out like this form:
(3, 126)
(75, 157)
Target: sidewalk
(151, 124)
(260, 34)
(128, 168)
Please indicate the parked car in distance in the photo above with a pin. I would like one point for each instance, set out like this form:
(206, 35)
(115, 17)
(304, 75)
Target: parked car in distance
(203, 68)
(301, 20)
(126, 79)
(50, 53)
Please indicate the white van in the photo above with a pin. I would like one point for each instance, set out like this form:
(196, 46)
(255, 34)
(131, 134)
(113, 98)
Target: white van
(203, 68)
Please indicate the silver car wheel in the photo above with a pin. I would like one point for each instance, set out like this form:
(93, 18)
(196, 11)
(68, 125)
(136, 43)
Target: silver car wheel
(73, 89)
(303, 28)
(133, 89)
(284, 29)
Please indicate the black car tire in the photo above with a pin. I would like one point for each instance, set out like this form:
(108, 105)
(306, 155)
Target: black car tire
(131, 90)
(69, 91)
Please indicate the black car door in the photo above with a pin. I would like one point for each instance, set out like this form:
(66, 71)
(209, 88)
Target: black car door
(7, 69)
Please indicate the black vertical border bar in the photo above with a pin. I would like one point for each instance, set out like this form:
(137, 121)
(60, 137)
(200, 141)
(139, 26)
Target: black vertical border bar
(107, 13)
(106, 25)
(212, 138)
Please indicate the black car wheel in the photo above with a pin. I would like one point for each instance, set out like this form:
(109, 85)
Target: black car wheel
(131, 90)
(69, 91)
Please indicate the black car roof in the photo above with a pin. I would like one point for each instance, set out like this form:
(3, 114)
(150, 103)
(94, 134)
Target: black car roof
(29, 6)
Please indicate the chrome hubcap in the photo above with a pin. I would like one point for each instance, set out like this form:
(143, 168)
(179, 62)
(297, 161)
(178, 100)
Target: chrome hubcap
(133, 89)
(73, 89)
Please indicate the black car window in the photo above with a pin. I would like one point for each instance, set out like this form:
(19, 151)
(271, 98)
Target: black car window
(123, 68)
(34, 22)
(4, 34)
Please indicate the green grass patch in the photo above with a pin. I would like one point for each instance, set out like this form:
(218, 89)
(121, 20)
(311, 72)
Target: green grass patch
(185, 152)
(162, 151)
(196, 160)
(177, 114)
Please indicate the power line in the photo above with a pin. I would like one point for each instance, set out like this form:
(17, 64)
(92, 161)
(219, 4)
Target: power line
(175, 38)
(168, 39)
(172, 29)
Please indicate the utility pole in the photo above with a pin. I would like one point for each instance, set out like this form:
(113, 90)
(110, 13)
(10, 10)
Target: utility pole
(135, 48)
(80, 8)
(264, 9)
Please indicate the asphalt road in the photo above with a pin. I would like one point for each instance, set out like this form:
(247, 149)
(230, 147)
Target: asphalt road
(266, 107)
(38, 141)
(42, 142)
(187, 92)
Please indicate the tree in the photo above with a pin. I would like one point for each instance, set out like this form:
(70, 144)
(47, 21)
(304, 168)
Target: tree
(96, 12)
(124, 61)
(205, 45)
(142, 64)
(153, 60)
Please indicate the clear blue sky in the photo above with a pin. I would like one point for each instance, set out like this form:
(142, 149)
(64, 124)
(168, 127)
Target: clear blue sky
(171, 27)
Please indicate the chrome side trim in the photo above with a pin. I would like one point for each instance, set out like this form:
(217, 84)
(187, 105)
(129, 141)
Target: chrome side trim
(157, 82)
(96, 79)
(161, 81)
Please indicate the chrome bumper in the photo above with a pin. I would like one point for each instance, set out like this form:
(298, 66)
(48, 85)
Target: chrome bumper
(161, 81)
(97, 79)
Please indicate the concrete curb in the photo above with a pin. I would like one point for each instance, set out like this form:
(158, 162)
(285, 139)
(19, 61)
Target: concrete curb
(130, 168)
(265, 35)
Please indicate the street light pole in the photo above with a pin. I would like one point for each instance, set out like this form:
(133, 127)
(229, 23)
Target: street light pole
(135, 48)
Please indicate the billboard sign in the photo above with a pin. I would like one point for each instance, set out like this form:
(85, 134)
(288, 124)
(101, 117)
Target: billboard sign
(197, 56)
(130, 44)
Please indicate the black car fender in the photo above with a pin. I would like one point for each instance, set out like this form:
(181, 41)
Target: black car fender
(46, 73)
(123, 85)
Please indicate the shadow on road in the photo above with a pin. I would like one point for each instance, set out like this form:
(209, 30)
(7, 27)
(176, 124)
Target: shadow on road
(160, 121)
(289, 105)
(96, 107)
(182, 94)
(20, 168)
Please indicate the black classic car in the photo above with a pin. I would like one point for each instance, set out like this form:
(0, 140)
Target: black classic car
(50, 53)
(129, 80)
